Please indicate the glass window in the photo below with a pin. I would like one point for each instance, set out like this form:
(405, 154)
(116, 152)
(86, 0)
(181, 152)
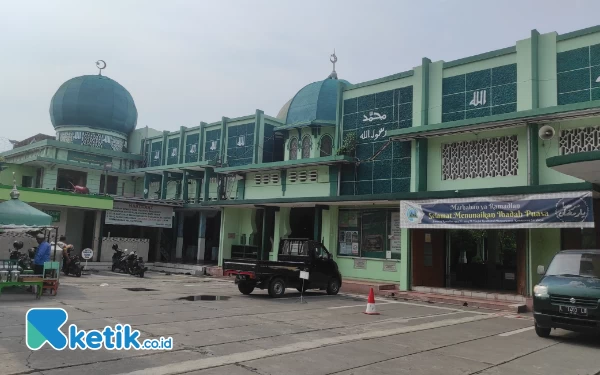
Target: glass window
(27, 181)
(585, 265)
(369, 233)
(294, 148)
(306, 147)
(326, 146)
(66, 179)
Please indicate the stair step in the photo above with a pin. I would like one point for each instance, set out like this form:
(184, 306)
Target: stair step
(463, 301)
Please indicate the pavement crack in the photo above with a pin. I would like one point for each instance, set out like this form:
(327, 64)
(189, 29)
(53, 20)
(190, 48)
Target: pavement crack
(515, 358)
(251, 369)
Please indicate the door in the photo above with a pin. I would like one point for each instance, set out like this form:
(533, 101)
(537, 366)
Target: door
(428, 257)
(322, 267)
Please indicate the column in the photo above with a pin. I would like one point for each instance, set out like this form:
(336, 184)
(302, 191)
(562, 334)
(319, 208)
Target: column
(97, 243)
(208, 173)
(163, 185)
(179, 243)
(184, 181)
(147, 181)
(201, 237)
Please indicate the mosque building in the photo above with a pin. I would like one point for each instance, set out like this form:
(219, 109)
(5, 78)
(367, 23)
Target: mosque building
(462, 175)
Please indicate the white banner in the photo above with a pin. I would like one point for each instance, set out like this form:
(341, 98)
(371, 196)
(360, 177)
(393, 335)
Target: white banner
(143, 215)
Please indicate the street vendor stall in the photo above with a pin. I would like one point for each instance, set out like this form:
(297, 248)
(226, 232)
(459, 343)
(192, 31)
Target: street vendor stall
(18, 216)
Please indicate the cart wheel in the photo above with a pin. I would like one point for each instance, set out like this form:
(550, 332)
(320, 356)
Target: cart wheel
(333, 287)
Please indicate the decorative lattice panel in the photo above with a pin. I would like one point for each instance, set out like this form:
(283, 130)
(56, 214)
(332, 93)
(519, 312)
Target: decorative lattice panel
(572, 141)
(91, 139)
(492, 157)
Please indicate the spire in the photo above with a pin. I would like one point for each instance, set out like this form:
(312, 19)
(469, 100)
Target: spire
(333, 59)
(14, 194)
(100, 64)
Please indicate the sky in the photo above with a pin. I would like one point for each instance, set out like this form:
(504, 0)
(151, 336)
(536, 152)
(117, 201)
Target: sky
(191, 61)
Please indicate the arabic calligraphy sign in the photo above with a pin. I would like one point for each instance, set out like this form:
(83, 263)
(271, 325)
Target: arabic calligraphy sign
(557, 210)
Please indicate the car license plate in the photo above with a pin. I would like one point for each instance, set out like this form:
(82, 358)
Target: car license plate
(573, 310)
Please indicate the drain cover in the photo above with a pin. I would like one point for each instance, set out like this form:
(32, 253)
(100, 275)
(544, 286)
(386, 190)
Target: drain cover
(140, 289)
(205, 298)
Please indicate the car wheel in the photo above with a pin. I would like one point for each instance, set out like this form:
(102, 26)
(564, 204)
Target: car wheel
(276, 287)
(245, 288)
(542, 332)
(333, 287)
(78, 274)
(113, 268)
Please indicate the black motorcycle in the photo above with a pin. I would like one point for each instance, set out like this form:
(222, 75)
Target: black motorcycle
(24, 261)
(73, 265)
(119, 259)
(135, 265)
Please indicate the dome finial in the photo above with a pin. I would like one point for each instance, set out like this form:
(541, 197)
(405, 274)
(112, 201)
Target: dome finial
(14, 194)
(333, 59)
(100, 64)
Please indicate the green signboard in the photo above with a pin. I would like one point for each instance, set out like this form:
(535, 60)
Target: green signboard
(55, 215)
(88, 158)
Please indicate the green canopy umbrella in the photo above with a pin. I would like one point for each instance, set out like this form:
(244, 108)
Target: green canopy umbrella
(15, 212)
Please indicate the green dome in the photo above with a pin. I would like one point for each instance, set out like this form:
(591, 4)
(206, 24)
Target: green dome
(94, 101)
(313, 103)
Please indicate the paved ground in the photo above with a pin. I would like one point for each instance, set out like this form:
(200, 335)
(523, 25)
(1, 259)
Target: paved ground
(249, 335)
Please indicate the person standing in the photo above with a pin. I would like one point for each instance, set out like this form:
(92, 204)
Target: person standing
(42, 254)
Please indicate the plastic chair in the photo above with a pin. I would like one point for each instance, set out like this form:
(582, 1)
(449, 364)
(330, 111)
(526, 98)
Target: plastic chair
(51, 273)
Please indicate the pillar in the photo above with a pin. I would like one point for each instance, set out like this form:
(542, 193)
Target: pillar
(163, 185)
(184, 181)
(199, 189)
(201, 237)
(318, 222)
(147, 181)
(97, 243)
(282, 229)
(208, 173)
(179, 242)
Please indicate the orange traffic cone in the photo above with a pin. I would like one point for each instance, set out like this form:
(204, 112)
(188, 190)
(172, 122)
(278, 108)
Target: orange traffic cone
(371, 304)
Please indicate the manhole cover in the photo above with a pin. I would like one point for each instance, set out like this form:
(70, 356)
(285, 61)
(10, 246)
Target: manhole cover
(140, 289)
(205, 298)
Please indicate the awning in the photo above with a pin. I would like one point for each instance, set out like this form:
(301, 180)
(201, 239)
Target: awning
(550, 114)
(288, 164)
(583, 165)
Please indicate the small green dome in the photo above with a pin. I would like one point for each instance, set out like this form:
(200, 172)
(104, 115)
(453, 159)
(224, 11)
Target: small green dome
(95, 101)
(313, 103)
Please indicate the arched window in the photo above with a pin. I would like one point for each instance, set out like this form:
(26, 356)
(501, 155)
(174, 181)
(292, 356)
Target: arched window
(306, 147)
(294, 148)
(326, 145)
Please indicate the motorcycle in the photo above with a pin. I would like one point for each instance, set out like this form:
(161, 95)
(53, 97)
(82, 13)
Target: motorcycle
(135, 265)
(119, 259)
(73, 264)
(25, 261)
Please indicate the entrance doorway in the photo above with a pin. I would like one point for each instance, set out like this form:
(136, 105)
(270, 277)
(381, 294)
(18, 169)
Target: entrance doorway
(483, 259)
(302, 222)
(491, 260)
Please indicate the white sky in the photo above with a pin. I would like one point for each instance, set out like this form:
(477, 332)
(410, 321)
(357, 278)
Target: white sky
(191, 61)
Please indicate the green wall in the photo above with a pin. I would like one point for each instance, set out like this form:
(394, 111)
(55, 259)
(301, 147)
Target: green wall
(543, 245)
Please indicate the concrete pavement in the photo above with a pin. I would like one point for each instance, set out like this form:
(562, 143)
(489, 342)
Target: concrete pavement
(259, 335)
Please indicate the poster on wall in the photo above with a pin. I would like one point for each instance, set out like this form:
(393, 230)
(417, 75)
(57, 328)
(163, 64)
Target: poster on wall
(348, 219)
(143, 215)
(554, 210)
(395, 244)
(374, 231)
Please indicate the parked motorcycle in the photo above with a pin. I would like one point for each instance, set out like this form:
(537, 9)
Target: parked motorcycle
(73, 263)
(135, 264)
(25, 261)
(119, 259)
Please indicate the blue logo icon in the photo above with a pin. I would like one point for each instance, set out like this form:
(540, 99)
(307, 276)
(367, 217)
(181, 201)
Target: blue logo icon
(43, 325)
